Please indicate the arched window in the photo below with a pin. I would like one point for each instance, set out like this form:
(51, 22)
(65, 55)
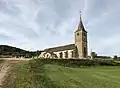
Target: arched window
(77, 34)
(47, 55)
(66, 54)
(61, 55)
(72, 54)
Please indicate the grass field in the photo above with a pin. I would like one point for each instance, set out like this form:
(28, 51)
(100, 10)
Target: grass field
(98, 77)
(37, 75)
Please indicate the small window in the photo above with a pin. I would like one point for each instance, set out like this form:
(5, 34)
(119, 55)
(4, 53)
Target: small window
(84, 34)
(77, 34)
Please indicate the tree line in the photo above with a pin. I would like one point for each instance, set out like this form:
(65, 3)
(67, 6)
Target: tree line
(9, 51)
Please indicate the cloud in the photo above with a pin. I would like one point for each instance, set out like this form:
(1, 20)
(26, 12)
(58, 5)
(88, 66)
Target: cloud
(40, 24)
(5, 37)
(102, 20)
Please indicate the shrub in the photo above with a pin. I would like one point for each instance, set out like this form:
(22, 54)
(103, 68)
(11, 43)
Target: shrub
(79, 62)
(93, 54)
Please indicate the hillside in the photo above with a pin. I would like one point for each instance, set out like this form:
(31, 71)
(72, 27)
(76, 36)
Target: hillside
(46, 75)
(9, 51)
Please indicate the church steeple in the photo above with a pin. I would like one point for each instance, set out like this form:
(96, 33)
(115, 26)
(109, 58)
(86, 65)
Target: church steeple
(81, 26)
(81, 41)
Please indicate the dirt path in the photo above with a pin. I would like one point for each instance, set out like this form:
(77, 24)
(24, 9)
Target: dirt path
(4, 67)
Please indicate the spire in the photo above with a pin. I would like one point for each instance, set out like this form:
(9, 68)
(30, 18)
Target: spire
(81, 26)
(80, 16)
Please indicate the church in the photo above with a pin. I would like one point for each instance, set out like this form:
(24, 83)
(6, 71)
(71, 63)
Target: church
(78, 50)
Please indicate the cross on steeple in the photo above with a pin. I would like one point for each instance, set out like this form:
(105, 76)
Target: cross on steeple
(80, 14)
(81, 40)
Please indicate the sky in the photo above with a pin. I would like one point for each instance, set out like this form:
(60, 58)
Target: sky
(39, 24)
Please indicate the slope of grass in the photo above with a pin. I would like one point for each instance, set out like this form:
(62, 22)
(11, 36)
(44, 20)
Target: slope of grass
(28, 74)
(98, 77)
(35, 74)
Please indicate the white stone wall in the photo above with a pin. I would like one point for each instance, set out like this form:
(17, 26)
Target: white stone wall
(63, 52)
(57, 53)
(70, 54)
(48, 55)
(42, 55)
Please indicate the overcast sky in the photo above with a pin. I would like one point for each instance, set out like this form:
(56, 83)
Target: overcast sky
(40, 24)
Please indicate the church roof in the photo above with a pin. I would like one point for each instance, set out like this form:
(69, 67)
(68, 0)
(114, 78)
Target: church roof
(60, 48)
(81, 26)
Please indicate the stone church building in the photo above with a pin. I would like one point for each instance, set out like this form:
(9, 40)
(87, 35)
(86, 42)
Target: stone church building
(77, 50)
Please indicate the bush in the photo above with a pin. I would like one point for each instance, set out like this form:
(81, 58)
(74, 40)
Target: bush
(79, 62)
(93, 54)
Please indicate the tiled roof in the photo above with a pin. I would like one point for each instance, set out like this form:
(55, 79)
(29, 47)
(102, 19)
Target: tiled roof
(60, 48)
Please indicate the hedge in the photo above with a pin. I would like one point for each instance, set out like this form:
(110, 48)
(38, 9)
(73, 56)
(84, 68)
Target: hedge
(80, 62)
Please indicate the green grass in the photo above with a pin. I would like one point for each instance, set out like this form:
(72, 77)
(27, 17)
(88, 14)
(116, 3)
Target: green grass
(35, 74)
(97, 77)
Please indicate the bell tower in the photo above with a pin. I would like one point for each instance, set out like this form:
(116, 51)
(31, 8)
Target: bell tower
(81, 50)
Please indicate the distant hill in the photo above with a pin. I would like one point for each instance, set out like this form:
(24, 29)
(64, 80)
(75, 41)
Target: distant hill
(9, 51)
